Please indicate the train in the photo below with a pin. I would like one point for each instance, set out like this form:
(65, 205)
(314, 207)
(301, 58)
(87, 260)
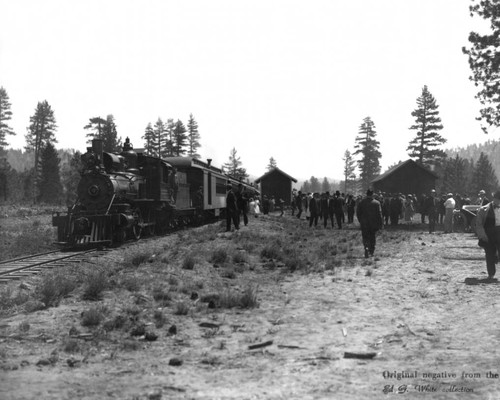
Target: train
(128, 195)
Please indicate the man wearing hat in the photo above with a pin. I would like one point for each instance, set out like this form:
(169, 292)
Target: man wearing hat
(231, 209)
(488, 232)
(482, 200)
(369, 212)
(449, 207)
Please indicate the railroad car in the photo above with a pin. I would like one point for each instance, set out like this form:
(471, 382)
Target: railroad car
(130, 194)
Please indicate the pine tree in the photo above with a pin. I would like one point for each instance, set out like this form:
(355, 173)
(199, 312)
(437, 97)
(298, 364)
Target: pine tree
(193, 138)
(180, 139)
(423, 147)
(325, 185)
(455, 175)
(484, 61)
(110, 140)
(169, 137)
(368, 148)
(95, 128)
(484, 177)
(5, 115)
(315, 185)
(349, 168)
(272, 164)
(159, 139)
(50, 179)
(40, 132)
(234, 167)
(306, 187)
(104, 129)
(70, 176)
(149, 136)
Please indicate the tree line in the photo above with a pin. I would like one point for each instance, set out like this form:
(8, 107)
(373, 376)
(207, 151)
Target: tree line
(46, 180)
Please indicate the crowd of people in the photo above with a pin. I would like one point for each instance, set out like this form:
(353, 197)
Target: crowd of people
(375, 210)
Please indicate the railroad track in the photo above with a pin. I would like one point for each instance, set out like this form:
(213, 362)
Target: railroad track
(22, 267)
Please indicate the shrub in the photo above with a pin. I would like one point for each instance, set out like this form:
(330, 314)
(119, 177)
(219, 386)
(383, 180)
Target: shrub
(137, 257)
(240, 258)
(54, 287)
(272, 251)
(70, 345)
(189, 262)
(181, 308)
(248, 298)
(161, 294)
(219, 256)
(93, 316)
(95, 283)
(159, 318)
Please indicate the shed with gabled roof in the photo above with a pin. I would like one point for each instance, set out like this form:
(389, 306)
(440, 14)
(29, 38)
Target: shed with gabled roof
(406, 177)
(276, 183)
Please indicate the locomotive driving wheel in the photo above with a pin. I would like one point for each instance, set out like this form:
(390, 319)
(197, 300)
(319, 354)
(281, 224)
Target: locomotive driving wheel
(137, 227)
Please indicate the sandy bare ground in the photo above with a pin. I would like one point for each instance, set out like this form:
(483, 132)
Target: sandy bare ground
(421, 309)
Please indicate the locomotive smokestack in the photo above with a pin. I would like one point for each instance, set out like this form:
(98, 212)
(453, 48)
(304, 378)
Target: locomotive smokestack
(97, 148)
(209, 161)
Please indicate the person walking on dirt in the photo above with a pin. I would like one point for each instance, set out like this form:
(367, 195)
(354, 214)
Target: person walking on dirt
(369, 213)
(488, 232)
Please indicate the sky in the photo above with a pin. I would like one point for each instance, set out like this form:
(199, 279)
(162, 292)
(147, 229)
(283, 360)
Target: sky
(287, 79)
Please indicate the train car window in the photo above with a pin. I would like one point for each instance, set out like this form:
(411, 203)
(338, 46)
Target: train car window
(220, 186)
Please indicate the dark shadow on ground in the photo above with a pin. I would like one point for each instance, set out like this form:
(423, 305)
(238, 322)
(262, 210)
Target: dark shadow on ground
(477, 281)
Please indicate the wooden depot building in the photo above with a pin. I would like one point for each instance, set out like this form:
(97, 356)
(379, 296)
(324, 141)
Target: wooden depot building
(276, 183)
(408, 177)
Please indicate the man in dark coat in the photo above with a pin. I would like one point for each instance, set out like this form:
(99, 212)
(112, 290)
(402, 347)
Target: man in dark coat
(242, 204)
(431, 205)
(325, 199)
(488, 232)
(369, 214)
(298, 203)
(314, 209)
(231, 209)
(338, 208)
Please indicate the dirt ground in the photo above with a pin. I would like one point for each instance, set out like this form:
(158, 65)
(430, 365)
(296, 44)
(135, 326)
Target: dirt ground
(419, 320)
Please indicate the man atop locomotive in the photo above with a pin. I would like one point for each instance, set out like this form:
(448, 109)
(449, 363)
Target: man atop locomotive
(488, 232)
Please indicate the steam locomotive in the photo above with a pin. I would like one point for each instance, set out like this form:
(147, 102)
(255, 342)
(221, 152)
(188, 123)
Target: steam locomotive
(127, 195)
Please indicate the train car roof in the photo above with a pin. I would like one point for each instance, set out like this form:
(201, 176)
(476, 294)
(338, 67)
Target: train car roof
(186, 162)
(141, 157)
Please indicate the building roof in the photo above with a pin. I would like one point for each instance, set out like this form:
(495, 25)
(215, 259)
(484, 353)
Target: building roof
(391, 170)
(275, 169)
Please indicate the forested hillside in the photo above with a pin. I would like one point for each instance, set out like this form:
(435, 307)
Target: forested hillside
(491, 148)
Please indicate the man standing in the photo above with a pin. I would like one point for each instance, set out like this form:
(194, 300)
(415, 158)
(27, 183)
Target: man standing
(231, 209)
(488, 232)
(482, 200)
(242, 204)
(369, 214)
(325, 199)
(314, 208)
(299, 204)
(449, 207)
(431, 209)
(339, 208)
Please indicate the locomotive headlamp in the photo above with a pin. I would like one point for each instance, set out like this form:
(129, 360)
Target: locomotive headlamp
(94, 190)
